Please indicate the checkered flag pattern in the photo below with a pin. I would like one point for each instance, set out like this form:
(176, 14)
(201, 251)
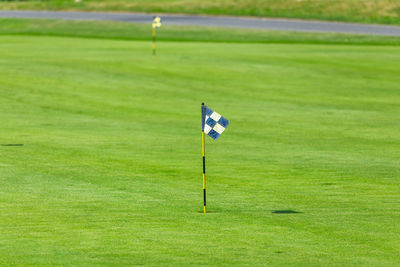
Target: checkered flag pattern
(213, 123)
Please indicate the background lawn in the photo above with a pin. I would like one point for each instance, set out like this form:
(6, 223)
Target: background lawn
(371, 11)
(110, 168)
(130, 31)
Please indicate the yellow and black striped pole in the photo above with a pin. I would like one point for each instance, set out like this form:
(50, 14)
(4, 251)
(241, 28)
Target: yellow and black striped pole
(204, 157)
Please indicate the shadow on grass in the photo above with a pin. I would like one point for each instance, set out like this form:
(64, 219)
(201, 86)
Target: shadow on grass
(11, 144)
(285, 211)
(328, 184)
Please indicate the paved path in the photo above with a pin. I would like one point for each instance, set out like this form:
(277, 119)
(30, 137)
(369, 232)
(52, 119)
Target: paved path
(236, 22)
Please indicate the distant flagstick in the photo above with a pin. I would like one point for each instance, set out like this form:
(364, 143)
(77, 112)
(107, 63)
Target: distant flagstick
(212, 124)
(156, 24)
(154, 41)
(203, 112)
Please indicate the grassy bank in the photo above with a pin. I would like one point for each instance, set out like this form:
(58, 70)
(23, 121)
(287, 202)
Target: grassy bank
(128, 31)
(366, 11)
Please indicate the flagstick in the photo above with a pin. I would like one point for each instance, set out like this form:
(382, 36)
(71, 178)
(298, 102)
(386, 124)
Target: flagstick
(204, 171)
(154, 41)
(204, 165)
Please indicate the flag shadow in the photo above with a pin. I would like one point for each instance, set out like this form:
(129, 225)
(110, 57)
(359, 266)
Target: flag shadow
(286, 211)
(12, 144)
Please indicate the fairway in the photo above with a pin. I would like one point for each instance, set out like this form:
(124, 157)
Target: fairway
(108, 171)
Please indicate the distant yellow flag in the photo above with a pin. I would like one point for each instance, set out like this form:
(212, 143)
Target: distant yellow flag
(156, 22)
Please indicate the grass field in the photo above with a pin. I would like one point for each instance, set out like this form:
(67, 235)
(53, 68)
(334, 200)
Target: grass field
(370, 11)
(128, 31)
(109, 171)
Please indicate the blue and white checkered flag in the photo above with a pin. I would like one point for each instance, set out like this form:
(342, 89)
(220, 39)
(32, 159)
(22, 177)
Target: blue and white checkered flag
(213, 123)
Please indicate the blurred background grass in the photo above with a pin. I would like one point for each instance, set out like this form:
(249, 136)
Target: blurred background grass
(365, 11)
(129, 31)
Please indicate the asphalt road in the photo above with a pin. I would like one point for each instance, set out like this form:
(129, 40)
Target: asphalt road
(236, 22)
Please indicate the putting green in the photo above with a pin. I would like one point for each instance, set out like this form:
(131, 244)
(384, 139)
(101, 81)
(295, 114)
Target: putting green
(110, 172)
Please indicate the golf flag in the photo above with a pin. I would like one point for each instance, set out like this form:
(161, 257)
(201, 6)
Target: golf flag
(212, 124)
(156, 24)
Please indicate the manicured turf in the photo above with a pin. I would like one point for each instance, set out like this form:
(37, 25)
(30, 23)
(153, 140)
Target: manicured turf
(129, 31)
(371, 11)
(110, 168)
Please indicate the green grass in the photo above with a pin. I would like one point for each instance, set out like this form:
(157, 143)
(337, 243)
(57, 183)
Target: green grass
(128, 31)
(367, 11)
(110, 168)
